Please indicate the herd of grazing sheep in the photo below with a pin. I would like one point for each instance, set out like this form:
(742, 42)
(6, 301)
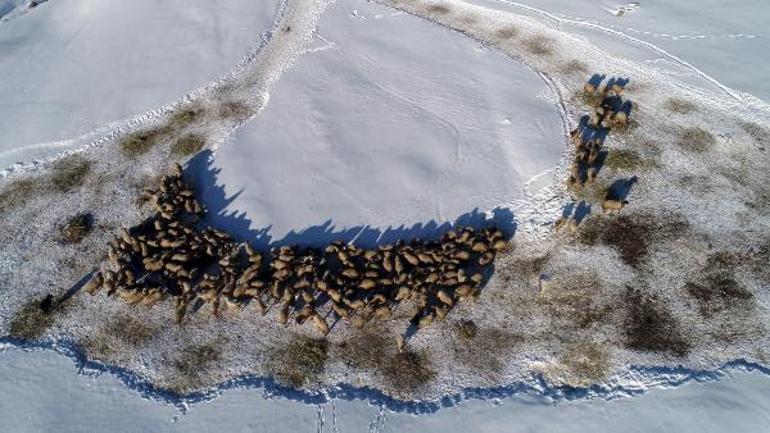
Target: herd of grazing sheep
(609, 111)
(172, 255)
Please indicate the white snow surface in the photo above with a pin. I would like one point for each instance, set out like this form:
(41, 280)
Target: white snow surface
(717, 38)
(43, 392)
(69, 67)
(299, 164)
(388, 123)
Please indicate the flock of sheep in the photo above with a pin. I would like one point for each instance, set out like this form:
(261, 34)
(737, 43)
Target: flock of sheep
(172, 255)
(609, 111)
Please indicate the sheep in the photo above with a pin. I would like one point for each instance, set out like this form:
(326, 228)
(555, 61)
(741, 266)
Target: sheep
(611, 205)
(93, 286)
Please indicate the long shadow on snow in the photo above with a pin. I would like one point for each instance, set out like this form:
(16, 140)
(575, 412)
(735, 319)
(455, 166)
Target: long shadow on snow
(203, 175)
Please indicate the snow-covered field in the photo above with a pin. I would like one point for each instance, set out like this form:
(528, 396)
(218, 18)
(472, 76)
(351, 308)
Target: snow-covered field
(72, 67)
(42, 392)
(381, 127)
(375, 124)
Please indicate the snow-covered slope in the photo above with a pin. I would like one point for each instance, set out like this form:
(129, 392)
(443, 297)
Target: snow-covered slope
(389, 122)
(42, 392)
(73, 66)
(721, 39)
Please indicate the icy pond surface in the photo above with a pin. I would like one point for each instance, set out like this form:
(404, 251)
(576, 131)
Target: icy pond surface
(389, 121)
(42, 391)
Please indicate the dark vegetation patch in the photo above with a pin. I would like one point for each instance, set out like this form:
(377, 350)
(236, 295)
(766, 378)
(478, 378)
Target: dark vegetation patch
(187, 116)
(626, 160)
(576, 299)
(717, 289)
(757, 132)
(466, 329)
(507, 32)
(594, 192)
(17, 192)
(539, 45)
(438, 9)
(574, 67)
(123, 332)
(189, 369)
(76, 228)
(408, 370)
(70, 172)
(587, 362)
(374, 349)
(188, 145)
(651, 327)
(34, 318)
(681, 106)
(234, 110)
(696, 140)
(527, 265)
(140, 142)
(698, 184)
(483, 350)
(632, 234)
(299, 361)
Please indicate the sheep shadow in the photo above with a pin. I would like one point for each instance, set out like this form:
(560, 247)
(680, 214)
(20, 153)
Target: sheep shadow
(202, 174)
(620, 188)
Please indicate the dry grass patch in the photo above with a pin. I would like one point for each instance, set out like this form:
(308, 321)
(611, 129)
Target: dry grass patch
(70, 172)
(575, 300)
(408, 370)
(234, 110)
(631, 235)
(375, 350)
(585, 362)
(34, 318)
(507, 32)
(140, 142)
(299, 361)
(696, 140)
(194, 361)
(438, 9)
(628, 160)
(681, 106)
(716, 289)
(574, 67)
(188, 145)
(757, 132)
(483, 350)
(18, 191)
(123, 332)
(76, 228)
(466, 329)
(539, 45)
(651, 327)
(187, 116)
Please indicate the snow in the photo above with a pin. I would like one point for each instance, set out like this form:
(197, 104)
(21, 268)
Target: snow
(70, 67)
(716, 37)
(382, 126)
(42, 392)
(335, 142)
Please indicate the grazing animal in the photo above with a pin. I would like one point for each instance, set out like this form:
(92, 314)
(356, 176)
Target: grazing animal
(610, 205)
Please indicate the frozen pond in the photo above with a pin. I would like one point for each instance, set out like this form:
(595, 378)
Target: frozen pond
(43, 392)
(389, 121)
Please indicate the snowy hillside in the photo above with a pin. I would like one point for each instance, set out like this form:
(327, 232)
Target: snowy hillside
(632, 263)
